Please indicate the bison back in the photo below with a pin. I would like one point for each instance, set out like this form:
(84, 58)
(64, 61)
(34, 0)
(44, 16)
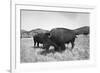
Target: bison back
(62, 35)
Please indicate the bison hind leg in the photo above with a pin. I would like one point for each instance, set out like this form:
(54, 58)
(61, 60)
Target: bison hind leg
(37, 44)
(72, 42)
(34, 44)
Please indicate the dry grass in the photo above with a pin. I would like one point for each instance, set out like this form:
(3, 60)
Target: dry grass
(30, 54)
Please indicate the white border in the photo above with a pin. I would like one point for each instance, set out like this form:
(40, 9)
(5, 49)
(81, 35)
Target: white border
(15, 39)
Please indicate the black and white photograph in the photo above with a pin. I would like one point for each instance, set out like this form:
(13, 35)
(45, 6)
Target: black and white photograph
(47, 36)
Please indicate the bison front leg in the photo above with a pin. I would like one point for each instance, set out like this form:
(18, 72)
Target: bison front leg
(61, 48)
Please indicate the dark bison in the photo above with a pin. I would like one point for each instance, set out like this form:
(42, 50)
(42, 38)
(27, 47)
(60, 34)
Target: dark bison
(82, 30)
(61, 36)
(43, 39)
(39, 38)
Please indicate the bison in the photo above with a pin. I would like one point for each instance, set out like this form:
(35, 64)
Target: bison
(43, 39)
(59, 37)
(39, 38)
(82, 30)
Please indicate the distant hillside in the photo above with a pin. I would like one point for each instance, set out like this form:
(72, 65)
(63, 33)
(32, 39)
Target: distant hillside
(23, 31)
(82, 30)
(24, 34)
(31, 33)
(38, 30)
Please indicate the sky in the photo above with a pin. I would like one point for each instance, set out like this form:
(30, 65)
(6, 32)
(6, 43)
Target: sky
(49, 19)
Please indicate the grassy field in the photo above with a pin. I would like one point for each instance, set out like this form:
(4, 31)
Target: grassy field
(29, 54)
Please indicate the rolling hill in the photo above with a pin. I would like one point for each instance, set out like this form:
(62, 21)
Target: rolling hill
(31, 33)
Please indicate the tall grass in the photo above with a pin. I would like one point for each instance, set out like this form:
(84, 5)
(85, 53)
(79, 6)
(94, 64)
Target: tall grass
(29, 54)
